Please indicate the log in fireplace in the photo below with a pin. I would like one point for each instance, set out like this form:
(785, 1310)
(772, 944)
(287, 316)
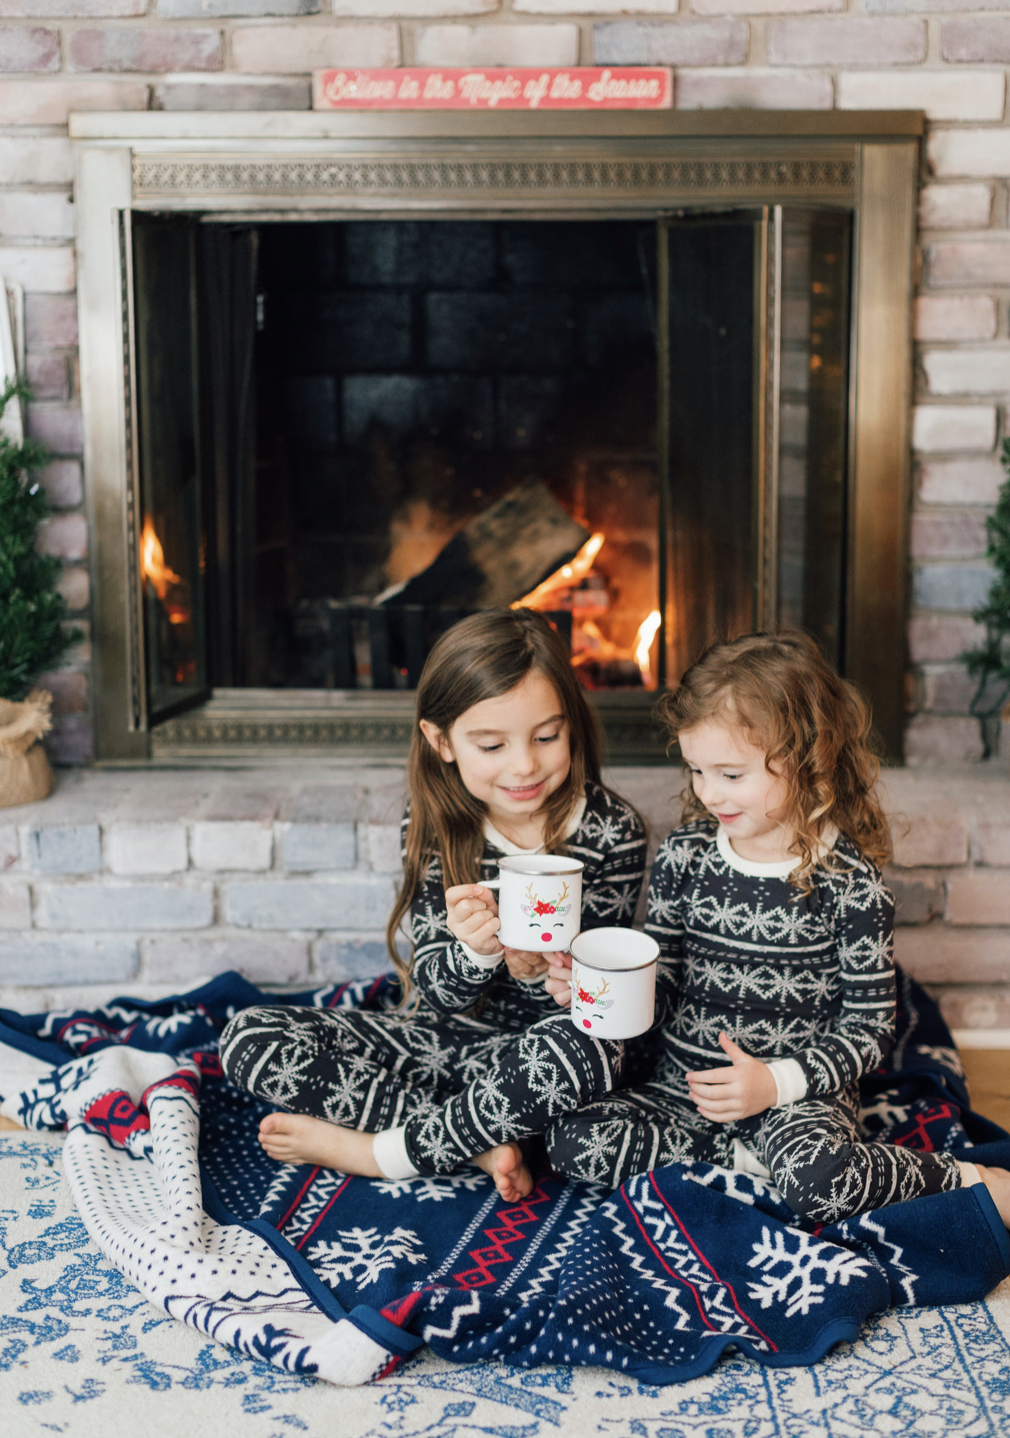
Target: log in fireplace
(348, 377)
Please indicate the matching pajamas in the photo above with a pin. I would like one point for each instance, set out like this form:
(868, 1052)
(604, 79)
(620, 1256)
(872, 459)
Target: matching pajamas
(483, 1058)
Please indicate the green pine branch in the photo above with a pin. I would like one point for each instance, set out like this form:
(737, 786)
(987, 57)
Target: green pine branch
(32, 636)
(990, 661)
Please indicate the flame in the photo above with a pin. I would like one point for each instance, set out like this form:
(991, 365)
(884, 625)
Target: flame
(647, 631)
(152, 562)
(565, 577)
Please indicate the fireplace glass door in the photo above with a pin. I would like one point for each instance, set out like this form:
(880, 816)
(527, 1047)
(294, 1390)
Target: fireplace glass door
(353, 433)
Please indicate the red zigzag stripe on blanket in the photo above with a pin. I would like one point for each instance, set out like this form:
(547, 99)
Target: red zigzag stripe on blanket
(511, 1218)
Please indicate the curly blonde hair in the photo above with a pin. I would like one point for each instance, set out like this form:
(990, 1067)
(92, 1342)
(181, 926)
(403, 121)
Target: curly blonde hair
(814, 727)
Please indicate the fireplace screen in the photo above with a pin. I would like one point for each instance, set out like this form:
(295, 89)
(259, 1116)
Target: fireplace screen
(352, 433)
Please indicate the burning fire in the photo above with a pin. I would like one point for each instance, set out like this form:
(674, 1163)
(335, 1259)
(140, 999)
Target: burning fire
(152, 561)
(564, 578)
(647, 631)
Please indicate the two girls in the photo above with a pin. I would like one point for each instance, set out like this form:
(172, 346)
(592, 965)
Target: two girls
(504, 761)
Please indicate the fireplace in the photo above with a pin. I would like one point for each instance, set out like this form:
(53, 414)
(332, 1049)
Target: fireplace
(366, 374)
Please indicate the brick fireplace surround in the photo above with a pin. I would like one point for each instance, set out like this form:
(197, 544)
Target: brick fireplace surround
(201, 858)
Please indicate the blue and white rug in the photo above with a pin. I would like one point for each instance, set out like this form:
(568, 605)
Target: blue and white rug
(82, 1353)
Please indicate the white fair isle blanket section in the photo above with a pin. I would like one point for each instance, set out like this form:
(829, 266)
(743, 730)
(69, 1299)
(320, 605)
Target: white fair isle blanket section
(83, 1353)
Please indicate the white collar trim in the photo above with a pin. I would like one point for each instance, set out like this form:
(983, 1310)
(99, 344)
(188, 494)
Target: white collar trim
(780, 868)
(506, 846)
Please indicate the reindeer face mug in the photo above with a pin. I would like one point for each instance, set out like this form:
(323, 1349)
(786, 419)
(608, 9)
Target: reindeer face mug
(613, 982)
(539, 901)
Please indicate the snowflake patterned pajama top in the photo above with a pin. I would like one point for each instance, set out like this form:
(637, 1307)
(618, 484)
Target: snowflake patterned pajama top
(802, 981)
(483, 1058)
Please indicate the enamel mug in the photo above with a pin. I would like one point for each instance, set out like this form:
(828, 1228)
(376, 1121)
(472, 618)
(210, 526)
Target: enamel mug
(539, 901)
(613, 982)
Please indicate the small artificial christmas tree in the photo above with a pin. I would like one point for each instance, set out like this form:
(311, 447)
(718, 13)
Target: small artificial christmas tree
(990, 663)
(32, 637)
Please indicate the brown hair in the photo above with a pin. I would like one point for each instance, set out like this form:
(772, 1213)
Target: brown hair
(482, 657)
(815, 729)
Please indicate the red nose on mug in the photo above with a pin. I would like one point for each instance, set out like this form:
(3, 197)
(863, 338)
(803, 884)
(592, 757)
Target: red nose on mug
(614, 982)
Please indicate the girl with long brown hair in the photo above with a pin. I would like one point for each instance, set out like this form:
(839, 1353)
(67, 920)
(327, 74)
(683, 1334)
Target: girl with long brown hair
(776, 934)
(504, 760)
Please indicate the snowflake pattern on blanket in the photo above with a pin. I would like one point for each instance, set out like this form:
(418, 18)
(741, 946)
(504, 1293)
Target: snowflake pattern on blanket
(319, 1273)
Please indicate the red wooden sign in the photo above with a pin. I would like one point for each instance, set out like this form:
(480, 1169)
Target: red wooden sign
(586, 87)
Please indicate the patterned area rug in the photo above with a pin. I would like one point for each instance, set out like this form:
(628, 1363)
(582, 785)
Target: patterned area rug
(83, 1353)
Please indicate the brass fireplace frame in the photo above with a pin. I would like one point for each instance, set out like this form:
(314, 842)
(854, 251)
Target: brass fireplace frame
(338, 166)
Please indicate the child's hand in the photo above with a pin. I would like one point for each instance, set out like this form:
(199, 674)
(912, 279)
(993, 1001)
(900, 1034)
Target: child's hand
(559, 979)
(724, 1095)
(473, 918)
(526, 964)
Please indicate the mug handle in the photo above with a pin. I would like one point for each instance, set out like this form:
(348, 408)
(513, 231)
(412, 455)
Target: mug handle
(490, 883)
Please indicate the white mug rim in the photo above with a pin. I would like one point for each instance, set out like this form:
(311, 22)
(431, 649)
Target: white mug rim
(513, 864)
(596, 967)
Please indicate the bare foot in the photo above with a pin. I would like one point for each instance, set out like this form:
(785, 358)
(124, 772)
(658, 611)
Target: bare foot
(506, 1165)
(296, 1138)
(997, 1181)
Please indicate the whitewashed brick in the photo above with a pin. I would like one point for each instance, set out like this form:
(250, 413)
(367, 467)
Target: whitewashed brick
(945, 426)
(926, 841)
(951, 586)
(935, 637)
(74, 585)
(961, 481)
(453, 45)
(938, 953)
(232, 92)
(340, 958)
(277, 959)
(764, 7)
(990, 843)
(955, 317)
(118, 906)
(955, 207)
(53, 9)
(967, 371)
(352, 901)
(64, 849)
(985, 261)
(380, 844)
(983, 39)
(35, 161)
(49, 102)
(930, 739)
(597, 7)
(944, 95)
(229, 845)
(969, 152)
(40, 268)
(24, 47)
(68, 958)
(947, 536)
(39, 216)
(309, 848)
(15, 906)
(894, 7)
(852, 40)
(980, 896)
(688, 42)
(135, 49)
(233, 9)
(145, 848)
(297, 49)
(10, 846)
(752, 89)
(411, 9)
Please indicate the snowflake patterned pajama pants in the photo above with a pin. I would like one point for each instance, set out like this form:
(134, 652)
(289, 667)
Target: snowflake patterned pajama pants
(458, 1086)
(813, 1149)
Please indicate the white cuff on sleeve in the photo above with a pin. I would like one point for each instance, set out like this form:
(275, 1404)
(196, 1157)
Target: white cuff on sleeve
(390, 1153)
(483, 961)
(790, 1081)
(969, 1173)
